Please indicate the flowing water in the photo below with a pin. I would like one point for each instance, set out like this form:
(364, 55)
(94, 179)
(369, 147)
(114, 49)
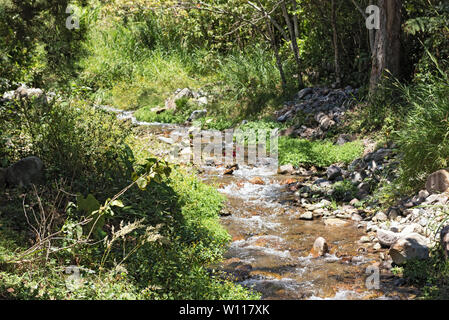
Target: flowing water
(270, 244)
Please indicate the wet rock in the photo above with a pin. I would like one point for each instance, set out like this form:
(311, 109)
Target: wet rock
(320, 248)
(286, 169)
(364, 239)
(438, 181)
(411, 246)
(306, 216)
(444, 240)
(335, 222)
(333, 172)
(257, 180)
(387, 238)
(230, 169)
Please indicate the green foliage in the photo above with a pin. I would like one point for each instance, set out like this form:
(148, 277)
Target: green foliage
(430, 275)
(423, 139)
(319, 153)
(73, 140)
(159, 237)
(344, 190)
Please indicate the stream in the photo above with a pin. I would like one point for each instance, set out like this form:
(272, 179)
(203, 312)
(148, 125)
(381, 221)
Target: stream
(270, 245)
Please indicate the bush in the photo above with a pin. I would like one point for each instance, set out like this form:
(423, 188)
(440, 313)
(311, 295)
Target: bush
(74, 141)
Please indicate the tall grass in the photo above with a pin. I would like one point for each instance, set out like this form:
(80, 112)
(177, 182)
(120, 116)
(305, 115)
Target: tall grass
(424, 137)
(129, 68)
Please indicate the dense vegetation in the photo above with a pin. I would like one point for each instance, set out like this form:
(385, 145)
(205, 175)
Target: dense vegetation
(158, 229)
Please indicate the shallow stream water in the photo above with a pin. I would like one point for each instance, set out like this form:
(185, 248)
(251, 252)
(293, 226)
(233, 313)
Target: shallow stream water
(270, 245)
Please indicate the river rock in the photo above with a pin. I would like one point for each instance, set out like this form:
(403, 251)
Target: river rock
(306, 216)
(380, 216)
(286, 169)
(257, 180)
(197, 114)
(335, 222)
(387, 238)
(438, 181)
(320, 248)
(411, 246)
(423, 194)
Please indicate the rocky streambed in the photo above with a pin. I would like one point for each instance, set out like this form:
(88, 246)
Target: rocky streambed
(276, 216)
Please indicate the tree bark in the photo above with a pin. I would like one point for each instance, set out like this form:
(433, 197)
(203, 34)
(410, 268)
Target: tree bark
(335, 42)
(276, 54)
(294, 43)
(387, 46)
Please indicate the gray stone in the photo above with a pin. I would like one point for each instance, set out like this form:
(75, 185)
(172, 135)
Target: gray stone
(306, 216)
(438, 181)
(423, 194)
(380, 216)
(411, 246)
(320, 248)
(197, 114)
(387, 238)
(333, 172)
(302, 93)
(286, 169)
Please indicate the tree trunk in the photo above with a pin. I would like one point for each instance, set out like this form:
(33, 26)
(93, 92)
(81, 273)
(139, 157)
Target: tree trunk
(387, 46)
(335, 42)
(276, 54)
(294, 44)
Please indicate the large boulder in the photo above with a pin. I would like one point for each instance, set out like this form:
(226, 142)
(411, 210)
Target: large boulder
(438, 181)
(320, 248)
(411, 246)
